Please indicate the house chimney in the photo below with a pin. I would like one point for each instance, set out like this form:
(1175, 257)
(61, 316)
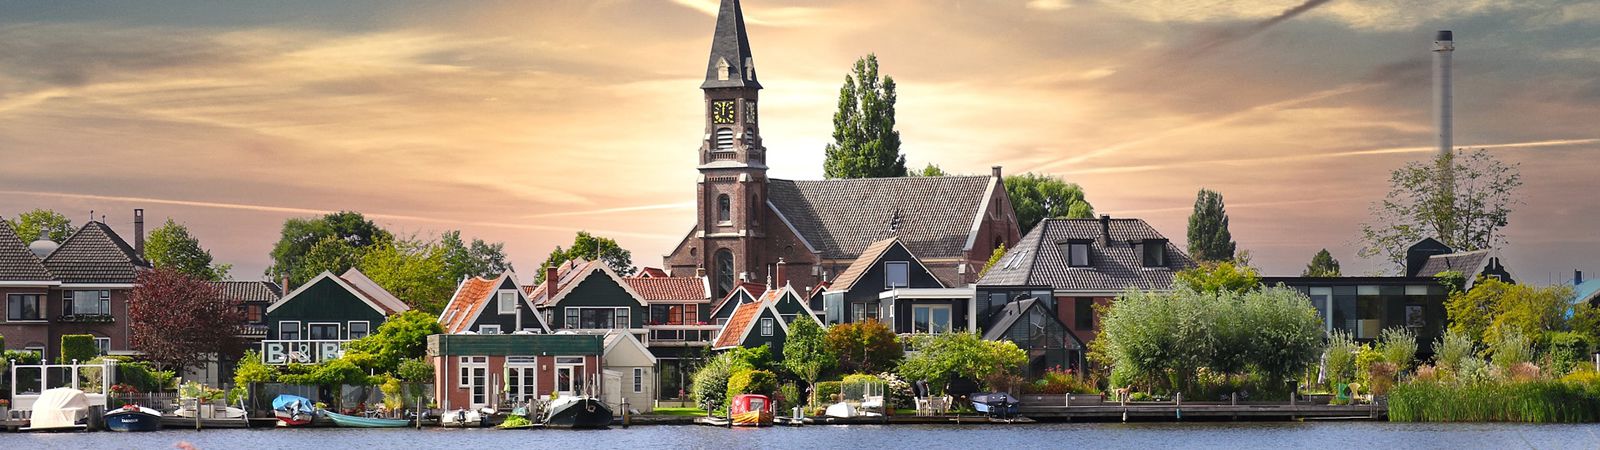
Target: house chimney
(283, 284)
(700, 271)
(550, 275)
(1105, 228)
(1443, 45)
(1577, 277)
(138, 231)
(994, 171)
(781, 279)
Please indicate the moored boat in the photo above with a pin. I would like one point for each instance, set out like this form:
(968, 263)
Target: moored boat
(350, 421)
(465, 418)
(59, 409)
(578, 412)
(751, 410)
(293, 410)
(133, 418)
(996, 404)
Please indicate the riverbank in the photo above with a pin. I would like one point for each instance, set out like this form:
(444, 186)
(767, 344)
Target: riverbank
(1142, 436)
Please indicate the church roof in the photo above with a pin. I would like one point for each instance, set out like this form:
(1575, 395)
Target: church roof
(731, 46)
(932, 216)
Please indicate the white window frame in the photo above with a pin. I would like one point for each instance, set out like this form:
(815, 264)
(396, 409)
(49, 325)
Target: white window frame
(949, 322)
(105, 349)
(465, 379)
(484, 329)
(36, 350)
(575, 380)
(638, 380)
(299, 334)
(525, 365)
(1072, 254)
(766, 326)
(507, 301)
(338, 329)
(888, 282)
(352, 326)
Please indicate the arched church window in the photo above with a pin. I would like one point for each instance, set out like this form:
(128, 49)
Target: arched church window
(724, 265)
(724, 208)
(724, 139)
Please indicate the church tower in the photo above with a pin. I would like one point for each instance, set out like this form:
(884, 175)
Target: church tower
(733, 163)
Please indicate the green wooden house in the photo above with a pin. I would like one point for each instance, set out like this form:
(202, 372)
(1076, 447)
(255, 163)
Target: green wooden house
(311, 323)
(588, 295)
(765, 321)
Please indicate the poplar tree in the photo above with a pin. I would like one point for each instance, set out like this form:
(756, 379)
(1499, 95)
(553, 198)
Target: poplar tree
(865, 143)
(1209, 239)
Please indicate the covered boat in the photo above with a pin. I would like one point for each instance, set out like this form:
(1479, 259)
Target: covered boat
(133, 418)
(578, 412)
(59, 409)
(349, 421)
(751, 410)
(465, 418)
(293, 410)
(996, 404)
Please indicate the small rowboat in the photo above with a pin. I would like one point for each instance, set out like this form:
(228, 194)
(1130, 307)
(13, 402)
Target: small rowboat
(365, 422)
(133, 418)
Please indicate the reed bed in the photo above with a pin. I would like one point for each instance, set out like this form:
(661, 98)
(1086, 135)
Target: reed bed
(1540, 401)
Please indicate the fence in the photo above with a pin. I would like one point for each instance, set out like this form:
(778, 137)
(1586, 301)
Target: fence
(28, 381)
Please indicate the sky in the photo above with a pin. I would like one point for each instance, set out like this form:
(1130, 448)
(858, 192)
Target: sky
(525, 121)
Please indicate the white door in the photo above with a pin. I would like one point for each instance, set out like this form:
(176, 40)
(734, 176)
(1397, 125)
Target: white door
(613, 389)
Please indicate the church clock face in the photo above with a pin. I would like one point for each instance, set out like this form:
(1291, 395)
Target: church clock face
(722, 111)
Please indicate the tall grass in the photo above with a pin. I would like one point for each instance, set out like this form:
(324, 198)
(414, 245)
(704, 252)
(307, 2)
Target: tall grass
(1533, 401)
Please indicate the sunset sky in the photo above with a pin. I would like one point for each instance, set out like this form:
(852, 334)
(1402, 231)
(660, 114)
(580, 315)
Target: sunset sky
(525, 121)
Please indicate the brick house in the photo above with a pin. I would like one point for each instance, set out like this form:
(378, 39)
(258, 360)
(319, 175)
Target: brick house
(80, 286)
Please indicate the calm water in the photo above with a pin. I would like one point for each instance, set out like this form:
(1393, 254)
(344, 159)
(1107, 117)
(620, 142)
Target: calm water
(1325, 435)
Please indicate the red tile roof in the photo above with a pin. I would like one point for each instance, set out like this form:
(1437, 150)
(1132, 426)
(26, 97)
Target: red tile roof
(733, 331)
(651, 272)
(471, 297)
(669, 288)
(755, 290)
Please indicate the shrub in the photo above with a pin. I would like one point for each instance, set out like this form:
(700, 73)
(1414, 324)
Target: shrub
(1511, 349)
(1061, 381)
(1567, 351)
(709, 384)
(789, 396)
(864, 347)
(941, 357)
(415, 370)
(331, 373)
(1380, 377)
(78, 347)
(252, 370)
(1399, 347)
(1451, 349)
(141, 376)
(827, 391)
(1341, 358)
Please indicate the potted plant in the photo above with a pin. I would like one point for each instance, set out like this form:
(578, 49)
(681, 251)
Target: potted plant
(5, 409)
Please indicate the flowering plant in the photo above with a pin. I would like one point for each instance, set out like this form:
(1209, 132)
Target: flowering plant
(5, 403)
(124, 388)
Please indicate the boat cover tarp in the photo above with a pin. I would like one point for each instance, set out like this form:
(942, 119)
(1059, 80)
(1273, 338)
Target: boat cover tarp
(286, 402)
(59, 408)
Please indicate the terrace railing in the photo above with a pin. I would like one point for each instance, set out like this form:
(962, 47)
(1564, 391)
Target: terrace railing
(681, 335)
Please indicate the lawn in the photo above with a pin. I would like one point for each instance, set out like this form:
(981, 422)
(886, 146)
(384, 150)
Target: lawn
(678, 412)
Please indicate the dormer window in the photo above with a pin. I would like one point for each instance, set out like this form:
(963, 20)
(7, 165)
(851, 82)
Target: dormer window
(1077, 253)
(724, 71)
(1155, 252)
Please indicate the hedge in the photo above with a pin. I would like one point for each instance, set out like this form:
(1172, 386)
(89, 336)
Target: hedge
(752, 382)
(78, 347)
(826, 391)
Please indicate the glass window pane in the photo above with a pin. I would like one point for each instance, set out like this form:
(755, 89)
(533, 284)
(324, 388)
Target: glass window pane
(941, 320)
(919, 319)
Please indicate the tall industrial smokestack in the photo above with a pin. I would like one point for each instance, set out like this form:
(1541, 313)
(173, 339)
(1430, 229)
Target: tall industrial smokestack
(1443, 45)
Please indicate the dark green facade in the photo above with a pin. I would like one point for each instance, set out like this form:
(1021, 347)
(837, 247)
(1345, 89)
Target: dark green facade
(515, 344)
(324, 301)
(597, 289)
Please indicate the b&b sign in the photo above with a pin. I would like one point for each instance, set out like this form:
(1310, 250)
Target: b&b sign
(302, 352)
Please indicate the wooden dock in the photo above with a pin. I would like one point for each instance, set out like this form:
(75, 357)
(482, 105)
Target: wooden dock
(1167, 411)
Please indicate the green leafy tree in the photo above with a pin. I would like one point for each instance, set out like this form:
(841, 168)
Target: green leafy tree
(930, 170)
(865, 143)
(709, 384)
(864, 347)
(403, 336)
(747, 381)
(1037, 197)
(252, 370)
(1462, 199)
(331, 254)
(1209, 239)
(415, 271)
(1322, 266)
(589, 247)
(941, 357)
(171, 246)
(300, 236)
(1493, 308)
(1219, 277)
(806, 353)
(475, 259)
(28, 224)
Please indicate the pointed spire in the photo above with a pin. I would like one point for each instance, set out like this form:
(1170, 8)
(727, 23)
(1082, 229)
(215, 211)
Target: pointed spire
(731, 64)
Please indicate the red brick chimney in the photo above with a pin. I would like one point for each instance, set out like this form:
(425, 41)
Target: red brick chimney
(780, 278)
(550, 277)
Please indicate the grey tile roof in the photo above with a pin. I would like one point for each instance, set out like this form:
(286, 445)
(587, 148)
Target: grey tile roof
(250, 291)
(17, 263)
(730, 43)
(932, 216)
(95, 254)
(1039, 260)
(1468, 263)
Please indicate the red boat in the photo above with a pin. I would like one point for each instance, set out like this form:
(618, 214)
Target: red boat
(751, 410)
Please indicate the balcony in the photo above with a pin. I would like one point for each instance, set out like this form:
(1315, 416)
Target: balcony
(86, 318)
(307, 351)
(253, 331)
(679, 335)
